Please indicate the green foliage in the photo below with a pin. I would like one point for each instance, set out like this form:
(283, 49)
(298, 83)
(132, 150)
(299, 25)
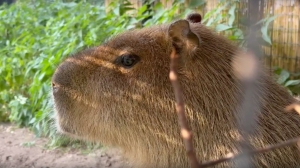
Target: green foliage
(284, 78)
(35, 36)
(196, 3)
(264, 29)
(222, 19)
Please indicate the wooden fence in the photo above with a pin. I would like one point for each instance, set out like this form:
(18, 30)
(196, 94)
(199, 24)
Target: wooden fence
(284, 30)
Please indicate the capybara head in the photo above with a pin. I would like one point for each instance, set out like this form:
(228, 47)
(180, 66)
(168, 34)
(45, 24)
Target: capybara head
(119, 94)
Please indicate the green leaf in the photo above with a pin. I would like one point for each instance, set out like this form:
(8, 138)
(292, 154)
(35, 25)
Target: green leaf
(264, 29)
(292, 83)
(196, 3)
(277, 70)
(222, 27)
(284, 75)
(209, 15)
(231, 12)
(32, 121)
(265, 36)
(142, 9)
(210, 21)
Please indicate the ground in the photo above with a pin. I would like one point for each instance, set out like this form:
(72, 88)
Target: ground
(19, 148)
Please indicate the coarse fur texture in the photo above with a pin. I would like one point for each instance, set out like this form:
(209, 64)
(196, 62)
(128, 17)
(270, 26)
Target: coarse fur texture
(134, 108)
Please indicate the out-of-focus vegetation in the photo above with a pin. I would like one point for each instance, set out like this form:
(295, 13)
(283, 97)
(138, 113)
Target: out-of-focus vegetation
(36, 35)
(285, 79)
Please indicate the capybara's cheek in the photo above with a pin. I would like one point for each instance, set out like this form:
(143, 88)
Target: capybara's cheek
(62, 121)
(64, 109)
(62, 127)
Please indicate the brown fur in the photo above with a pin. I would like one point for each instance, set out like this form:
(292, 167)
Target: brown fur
(134, 108)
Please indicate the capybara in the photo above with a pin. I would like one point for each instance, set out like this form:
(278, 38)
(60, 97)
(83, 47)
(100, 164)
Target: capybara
(119, 94)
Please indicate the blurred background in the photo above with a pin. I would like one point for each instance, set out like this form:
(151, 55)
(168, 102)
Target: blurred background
(36, 35)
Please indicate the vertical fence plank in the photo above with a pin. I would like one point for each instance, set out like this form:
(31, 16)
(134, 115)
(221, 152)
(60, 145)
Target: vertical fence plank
(285, 34)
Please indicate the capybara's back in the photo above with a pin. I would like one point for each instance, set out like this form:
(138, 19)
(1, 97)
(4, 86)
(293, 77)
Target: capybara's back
(119, 94)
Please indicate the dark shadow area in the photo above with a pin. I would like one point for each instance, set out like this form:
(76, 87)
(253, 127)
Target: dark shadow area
(6, 1)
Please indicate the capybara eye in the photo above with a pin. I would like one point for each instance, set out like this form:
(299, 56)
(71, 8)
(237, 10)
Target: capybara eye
(128, 60)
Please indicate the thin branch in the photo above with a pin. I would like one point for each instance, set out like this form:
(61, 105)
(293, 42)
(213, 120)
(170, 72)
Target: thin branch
(184, 129)
(252, 153)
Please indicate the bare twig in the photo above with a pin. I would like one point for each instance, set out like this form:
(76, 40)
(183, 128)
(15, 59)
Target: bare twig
(184, 129)
(252, 153)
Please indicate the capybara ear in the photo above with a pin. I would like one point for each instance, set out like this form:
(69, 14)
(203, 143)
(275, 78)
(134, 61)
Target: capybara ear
(182, 36)
(194, 18)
